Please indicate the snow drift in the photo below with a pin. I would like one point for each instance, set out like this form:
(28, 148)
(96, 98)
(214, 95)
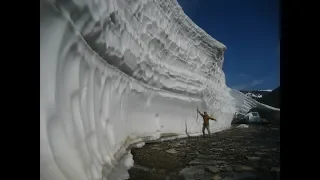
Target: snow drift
(116, 72)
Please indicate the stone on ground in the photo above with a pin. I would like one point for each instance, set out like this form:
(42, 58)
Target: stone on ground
(172, 151)
(212, 169)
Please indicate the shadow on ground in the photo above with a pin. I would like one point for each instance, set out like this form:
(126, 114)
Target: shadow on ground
(234, 154)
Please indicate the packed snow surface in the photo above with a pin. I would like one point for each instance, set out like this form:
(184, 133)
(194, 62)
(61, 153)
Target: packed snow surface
(243, 126)
(119, 72)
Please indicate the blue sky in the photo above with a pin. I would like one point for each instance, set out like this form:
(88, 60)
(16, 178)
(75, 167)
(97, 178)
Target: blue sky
(250, 30)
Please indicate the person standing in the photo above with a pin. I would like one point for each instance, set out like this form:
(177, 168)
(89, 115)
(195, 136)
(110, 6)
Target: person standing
(206, 119)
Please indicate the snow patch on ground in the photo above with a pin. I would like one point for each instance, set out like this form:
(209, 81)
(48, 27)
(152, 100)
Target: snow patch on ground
(243, 126)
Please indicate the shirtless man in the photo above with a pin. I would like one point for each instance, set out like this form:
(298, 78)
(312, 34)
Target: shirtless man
(206, 118)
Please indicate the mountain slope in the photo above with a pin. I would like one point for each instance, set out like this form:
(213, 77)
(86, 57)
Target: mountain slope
(258, 94)
(272, 98)
(269, 97)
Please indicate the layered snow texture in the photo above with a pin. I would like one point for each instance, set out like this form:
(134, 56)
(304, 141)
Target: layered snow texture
(244, 103)
(118, 72)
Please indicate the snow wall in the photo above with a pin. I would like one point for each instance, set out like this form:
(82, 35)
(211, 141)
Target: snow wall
(116, 72)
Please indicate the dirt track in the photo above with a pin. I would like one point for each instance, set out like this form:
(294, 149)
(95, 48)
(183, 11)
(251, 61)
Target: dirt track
(234, 154)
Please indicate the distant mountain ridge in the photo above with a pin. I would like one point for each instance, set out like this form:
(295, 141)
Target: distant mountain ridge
(271, 98)
(256, 94)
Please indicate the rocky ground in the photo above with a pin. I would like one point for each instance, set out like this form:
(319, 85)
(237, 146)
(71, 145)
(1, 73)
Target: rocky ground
(234, 154)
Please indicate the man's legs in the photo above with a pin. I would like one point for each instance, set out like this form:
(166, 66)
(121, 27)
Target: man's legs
(203, 128)
(208, 130)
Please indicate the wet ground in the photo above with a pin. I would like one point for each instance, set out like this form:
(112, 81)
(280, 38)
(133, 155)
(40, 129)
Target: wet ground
(234, 154)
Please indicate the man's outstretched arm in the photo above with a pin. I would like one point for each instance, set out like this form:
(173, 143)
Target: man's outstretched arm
(212, 118)
(200, 113)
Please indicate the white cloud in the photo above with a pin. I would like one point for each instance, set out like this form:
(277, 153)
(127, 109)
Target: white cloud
(249, 85)
(256, 82)
(240, 86)
(242, 75)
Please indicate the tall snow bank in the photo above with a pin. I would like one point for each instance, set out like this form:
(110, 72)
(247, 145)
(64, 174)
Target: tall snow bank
(115, 72)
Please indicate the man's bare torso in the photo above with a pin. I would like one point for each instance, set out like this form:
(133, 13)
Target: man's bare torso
(206, 119)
